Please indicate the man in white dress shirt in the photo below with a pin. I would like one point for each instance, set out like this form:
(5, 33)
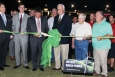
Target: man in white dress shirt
(51, 19)
(82, 32)
(50, 25)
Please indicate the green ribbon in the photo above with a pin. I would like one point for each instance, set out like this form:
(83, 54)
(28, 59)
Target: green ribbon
(47, 47)
(53, 40)
(5, 31)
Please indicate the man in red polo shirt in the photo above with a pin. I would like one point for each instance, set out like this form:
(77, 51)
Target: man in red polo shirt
(91, 22)
(111, 54)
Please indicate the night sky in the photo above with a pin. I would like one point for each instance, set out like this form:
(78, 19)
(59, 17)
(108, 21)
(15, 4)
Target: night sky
(92, 5)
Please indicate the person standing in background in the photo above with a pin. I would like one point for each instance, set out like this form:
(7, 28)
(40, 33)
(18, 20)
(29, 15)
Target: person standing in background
(20, 40)
(5, 24)
(71, 50)
(111, 54)
(51, 19)
(50, 25)
(31, 13)
(91, 22)
(11, 44)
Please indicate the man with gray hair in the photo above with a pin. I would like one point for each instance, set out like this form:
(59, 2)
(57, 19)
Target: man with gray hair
(82, 33)
(101, 28)
(62, 22)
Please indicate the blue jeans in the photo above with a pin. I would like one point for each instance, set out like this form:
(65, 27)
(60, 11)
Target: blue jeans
(81, 49)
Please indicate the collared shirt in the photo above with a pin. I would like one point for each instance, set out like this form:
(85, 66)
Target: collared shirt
(0, 13)
(20, 15)
(61, 16)
(101, 29)
(50, 22)
(37, 22)
(4, 15)
(81, 30)
(113, 28)
(73, 25)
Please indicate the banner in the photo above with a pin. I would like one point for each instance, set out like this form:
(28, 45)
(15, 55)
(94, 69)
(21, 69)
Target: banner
(75, 66)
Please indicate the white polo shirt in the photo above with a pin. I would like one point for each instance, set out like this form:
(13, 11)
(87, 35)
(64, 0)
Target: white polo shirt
(81, 30)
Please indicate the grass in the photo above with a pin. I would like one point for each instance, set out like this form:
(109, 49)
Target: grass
(22, 72)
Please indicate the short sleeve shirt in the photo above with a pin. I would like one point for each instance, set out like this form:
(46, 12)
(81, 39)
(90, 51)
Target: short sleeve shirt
(101, 29)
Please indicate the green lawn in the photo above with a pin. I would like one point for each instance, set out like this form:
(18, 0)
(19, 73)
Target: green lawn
(22, 72)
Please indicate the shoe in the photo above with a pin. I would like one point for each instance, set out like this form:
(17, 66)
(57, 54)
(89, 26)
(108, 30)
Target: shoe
(1, 68)
(16, 66)
(29, 60)
(95, 74)
(27, 67)
(108, 65)
(104, 76)
(41, 69)
(34, 69)
(111, 69)
(6, 65)
(56, 69)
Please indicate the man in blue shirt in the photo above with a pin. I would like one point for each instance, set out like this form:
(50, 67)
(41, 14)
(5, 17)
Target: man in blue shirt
(101, 46)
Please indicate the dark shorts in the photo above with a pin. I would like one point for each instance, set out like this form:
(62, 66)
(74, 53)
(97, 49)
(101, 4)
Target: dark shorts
(111, 53)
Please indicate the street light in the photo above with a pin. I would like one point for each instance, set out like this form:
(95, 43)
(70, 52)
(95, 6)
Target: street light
(85, 6)
(107, 6)
(72, 6)
(19, 1)
(25, 8)
(75, 10)
(108, 10)
(46, 5)
(45, 9)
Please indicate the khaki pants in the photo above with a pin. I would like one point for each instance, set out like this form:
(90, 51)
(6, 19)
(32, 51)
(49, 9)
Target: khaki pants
(63, 49)
(100, 57)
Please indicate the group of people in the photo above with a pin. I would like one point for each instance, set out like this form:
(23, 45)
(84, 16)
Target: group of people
(86, 36)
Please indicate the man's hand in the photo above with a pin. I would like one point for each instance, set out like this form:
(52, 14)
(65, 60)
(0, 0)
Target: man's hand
(22, 34)
(90, 41)
(84, 38)
(36, 35)
(13, 33)
(73, 46)
(99, 38)
(11, 37)
(1, 31)
(60, 35)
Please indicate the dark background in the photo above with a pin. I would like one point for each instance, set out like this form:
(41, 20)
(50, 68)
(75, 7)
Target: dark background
(92, 5)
